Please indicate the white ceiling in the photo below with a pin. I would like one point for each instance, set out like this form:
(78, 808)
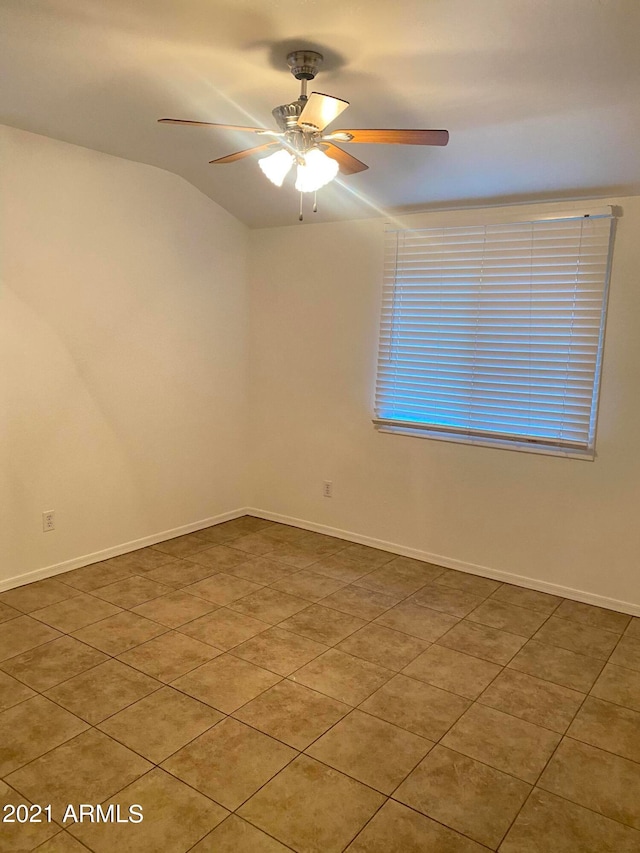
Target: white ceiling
(541, 97)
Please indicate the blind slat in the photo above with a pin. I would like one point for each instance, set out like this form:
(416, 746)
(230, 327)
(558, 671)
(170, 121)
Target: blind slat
(495, 330)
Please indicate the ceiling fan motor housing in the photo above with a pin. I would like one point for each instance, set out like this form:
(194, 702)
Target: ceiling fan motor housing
(304, 64)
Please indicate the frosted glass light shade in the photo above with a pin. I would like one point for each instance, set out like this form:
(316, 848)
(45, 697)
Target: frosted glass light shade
(318, 170)
(276, 166)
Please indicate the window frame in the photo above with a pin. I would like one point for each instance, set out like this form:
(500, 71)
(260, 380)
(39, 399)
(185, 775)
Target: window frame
(490, 439)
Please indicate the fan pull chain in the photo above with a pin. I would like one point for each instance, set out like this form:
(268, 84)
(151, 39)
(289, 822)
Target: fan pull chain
(315, 202)
(301, 216)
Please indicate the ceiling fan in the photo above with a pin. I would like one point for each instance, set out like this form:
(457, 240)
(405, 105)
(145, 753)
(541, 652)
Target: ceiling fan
(301, 138)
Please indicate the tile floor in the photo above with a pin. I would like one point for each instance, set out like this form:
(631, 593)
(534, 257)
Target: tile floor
(259, 688)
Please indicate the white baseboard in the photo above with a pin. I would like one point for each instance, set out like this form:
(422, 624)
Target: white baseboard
(116, 550)
(450, 563)
(438, 559)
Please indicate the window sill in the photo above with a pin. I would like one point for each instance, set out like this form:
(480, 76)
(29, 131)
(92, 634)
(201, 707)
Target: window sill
(495, 443)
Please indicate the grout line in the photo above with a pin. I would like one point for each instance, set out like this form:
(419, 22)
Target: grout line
(269, 626)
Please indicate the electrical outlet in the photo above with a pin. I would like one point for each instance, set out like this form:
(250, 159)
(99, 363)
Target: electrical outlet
(48, 521)
(327, 489)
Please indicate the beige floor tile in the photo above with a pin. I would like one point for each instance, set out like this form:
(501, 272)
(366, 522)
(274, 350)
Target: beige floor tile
(180, 573)
(419, 621)
(118, 633)
(317, 544)
(292, 713)
(453, 671)
(224, 628)
(502, 741)
(261, 570)
(257, 544)
(175, 817)
(161, 723)
(22, 837)
(359, 601)
(396, 578)
(388, 648)
(34, 596)
(308, 585)
(222, 589)
(74, 613)
(87, 769)
(342, 568)
(561, 666)
(470, 797)
(418, 707)
(279, 651)
(523, 597)
(102, 691)
(533, 699)
(599, 617)
(367, 557)
(371, 750)
(482, 642)
(7, 612)
(219, 535)
(288, 533)
(429, 571)
(322, 624)
(627, 654)
(291, 554)
(219, 558)
(596, 779)
(19, 635)
(143, 560)
(32, 728)
(470, 583)
(175, 609)
(633, 628)
(132, 591)
(397, 829)
(183, 546)
(447, 599)
(577, 637)
(229, 762)
(508, 617)
(609, 727)
(12, 692)
(48, 665)
(94, 576)
(235, 835)
(341, 676)
(311, 807)
(269, 605)
(62, 843)
(550, 824)
(169, 656)
(619, 685)
(226, 683)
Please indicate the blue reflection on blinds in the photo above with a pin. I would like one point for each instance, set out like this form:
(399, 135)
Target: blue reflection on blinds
(495, 331)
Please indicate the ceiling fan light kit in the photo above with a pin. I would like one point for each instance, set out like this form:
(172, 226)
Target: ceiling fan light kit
(301, 139)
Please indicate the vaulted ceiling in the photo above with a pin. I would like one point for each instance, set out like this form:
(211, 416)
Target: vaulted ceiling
(541, 97)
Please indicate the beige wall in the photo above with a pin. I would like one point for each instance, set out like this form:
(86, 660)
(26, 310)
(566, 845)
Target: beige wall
(123, 316)
(315, 295)
(122, 328)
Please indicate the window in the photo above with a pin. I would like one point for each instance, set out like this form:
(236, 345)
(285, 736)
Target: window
(493, 334)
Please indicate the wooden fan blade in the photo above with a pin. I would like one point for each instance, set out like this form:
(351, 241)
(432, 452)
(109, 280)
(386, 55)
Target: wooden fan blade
(247, 152)
(348, 165)
(320, 110)
(209, 124)
(393, 137)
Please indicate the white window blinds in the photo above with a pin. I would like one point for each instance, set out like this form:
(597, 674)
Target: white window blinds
(495, 332)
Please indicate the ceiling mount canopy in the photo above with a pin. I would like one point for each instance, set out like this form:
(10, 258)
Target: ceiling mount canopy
(301, 141)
